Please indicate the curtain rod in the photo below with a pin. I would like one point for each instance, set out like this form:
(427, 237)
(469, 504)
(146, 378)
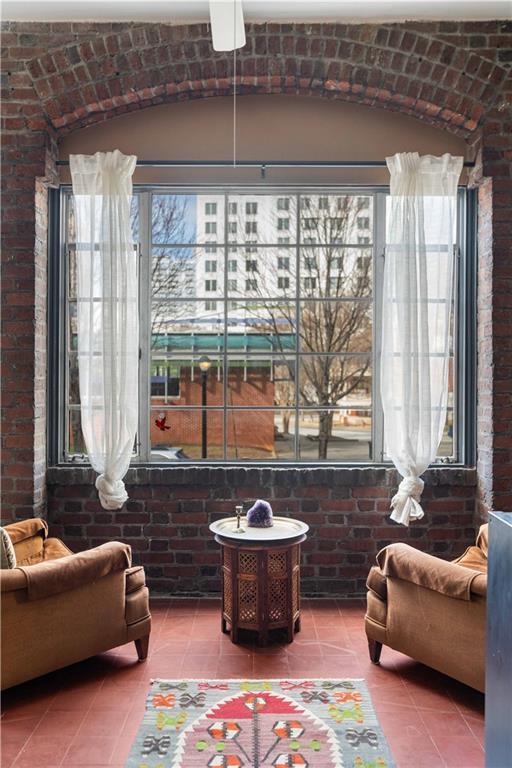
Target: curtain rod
(262, 164)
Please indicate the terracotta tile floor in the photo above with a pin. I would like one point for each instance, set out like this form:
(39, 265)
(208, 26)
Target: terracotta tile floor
(87, 715)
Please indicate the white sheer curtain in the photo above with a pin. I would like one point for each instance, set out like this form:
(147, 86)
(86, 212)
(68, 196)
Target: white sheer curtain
(107, 316)
(416, 309)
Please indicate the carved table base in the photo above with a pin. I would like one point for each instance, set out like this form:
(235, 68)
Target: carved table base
(260, 587)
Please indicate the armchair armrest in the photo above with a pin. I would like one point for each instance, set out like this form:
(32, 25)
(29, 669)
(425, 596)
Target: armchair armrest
(401, 561)
(12, 579)
(52, 577)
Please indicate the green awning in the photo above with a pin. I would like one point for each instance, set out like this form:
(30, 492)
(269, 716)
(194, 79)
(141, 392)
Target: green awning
(236, 342)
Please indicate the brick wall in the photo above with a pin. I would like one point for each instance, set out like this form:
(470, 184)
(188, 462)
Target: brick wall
(246, 430)
(63, 76)
(166, 520)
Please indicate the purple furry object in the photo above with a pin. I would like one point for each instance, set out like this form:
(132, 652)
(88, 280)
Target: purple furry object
(260, 515)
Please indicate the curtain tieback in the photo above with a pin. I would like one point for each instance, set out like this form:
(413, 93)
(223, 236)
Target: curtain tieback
(406, 502)
(112, 493)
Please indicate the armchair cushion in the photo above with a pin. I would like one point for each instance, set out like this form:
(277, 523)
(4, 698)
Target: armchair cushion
(476, 557)
(377, 582)
(408, 564)
(135, 578)
(473, 558)
(54, 549)
(136, 606)
(52, 577)
(28, 538)
(25, 529)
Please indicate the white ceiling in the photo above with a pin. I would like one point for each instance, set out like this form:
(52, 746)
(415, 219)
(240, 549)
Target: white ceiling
(182, 11)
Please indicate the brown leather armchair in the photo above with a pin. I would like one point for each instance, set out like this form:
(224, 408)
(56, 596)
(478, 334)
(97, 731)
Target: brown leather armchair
(59, 608)
(430, 609)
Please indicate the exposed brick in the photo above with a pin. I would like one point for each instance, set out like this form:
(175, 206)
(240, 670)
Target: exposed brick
(341, 546)
(64, 76)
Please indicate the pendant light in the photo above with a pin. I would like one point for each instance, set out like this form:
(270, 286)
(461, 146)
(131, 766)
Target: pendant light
(227, 20)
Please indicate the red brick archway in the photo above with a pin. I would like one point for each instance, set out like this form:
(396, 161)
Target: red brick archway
(408, 68)
(66, 76)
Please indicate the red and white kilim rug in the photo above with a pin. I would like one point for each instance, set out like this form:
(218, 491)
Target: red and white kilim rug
(259, 724)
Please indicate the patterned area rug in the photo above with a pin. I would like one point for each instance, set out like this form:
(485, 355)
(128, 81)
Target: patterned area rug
(259, 724)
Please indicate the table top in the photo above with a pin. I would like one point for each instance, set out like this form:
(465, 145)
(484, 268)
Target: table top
(284, 528)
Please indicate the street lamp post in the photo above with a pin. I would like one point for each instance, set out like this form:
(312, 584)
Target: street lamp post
(204, 366)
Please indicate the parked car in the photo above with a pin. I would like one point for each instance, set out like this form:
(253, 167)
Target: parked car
(168, 453)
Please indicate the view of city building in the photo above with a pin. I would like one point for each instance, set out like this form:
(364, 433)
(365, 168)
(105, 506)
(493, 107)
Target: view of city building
(253, 261)
(275, 292)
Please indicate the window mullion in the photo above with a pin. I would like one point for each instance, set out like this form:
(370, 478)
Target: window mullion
(297, 325)
(226, 319)
(66, 335)
(58, 358)
(379, 247)
(145, 247)
(457, 325)
(465, 326)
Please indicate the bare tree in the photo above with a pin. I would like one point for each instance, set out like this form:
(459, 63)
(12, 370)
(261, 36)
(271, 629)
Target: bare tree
(335, 321)
(172, 263)
(284, 392)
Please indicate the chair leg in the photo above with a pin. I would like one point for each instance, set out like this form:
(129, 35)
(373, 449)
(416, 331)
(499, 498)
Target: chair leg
(142, 646)
(374, 648)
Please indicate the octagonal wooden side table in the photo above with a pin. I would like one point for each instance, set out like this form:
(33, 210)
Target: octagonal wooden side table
(260, 576)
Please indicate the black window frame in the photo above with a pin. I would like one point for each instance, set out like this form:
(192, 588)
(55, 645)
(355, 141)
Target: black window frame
(465, 298)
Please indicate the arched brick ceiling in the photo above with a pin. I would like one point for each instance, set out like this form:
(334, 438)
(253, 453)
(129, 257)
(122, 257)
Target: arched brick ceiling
(425, 70)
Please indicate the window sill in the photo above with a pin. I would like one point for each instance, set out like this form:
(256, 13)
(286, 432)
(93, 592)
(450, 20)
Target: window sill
(255, 476)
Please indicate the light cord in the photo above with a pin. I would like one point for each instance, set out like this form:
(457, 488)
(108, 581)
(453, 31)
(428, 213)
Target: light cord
(234, 83)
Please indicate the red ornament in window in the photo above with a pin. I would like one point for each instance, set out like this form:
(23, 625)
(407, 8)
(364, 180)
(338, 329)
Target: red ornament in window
(160, 422)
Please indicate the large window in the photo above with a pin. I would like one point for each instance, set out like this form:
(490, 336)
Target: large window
(279, 365)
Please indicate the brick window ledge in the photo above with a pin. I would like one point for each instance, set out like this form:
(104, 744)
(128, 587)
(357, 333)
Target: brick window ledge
(240, 478)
